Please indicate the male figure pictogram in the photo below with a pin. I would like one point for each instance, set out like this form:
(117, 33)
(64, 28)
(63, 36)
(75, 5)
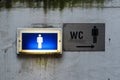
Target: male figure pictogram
(39, 41)
(94, 34)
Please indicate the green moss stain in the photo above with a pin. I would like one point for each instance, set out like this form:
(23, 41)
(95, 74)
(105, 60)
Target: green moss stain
(42, 61)
(51, 4)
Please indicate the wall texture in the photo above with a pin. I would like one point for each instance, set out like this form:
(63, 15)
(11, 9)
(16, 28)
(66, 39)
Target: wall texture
(72, 65)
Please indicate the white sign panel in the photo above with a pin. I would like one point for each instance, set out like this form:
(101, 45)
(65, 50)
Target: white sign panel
(84, 37)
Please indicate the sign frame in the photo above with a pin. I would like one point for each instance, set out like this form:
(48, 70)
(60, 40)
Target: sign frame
(39, 30)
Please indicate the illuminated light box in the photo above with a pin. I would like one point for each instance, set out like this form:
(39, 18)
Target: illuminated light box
(39, 41)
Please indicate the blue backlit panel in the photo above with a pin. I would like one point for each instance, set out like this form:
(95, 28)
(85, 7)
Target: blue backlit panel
(49, 41)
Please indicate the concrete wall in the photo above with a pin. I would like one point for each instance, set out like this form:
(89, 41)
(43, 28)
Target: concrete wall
(72, 65)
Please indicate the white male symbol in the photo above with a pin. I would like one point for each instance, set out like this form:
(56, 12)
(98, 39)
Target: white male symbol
(39, 41)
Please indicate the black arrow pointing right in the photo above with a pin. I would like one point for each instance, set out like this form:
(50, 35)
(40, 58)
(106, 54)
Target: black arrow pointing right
(91, 46)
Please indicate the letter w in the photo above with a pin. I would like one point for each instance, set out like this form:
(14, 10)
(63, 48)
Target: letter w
(73, 35)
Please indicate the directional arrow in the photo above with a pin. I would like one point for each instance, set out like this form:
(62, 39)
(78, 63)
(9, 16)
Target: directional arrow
(91, 46)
